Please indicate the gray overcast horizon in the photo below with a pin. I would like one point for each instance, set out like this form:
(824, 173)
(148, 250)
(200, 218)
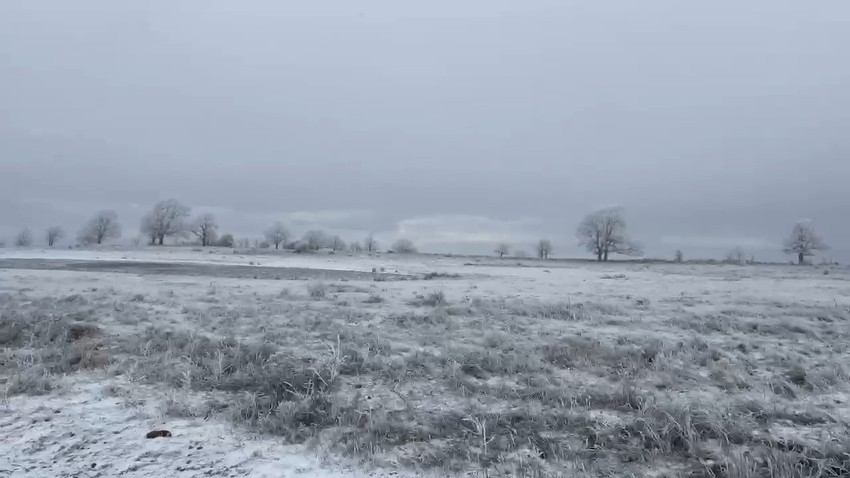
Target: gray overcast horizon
(455, 124)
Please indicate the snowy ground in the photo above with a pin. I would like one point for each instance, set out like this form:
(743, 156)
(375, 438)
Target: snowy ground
(438, 365)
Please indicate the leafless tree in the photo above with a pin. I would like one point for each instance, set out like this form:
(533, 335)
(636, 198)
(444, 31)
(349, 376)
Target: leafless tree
(104, 225)
(205, 228)
(226, 240)
(679, 257)
(604, 232)
(167, 219)
(503, 249)
(544, 248)
(404, 246)
(316, 240)
(804, 241)
(735, 256)
(370, 244)
(24, 238)
(337, 244)
(355, 247)
(277, 235)
(53, 234)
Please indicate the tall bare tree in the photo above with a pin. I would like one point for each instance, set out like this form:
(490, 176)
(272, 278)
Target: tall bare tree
(503, 249)
(404, 246)
(544, 248)
(337, 244)
(53, 234)
(205, 228)
(804, 241)
(370, 244)
(604, 232)
(679, 256)
(277, 235)
(104, 225)
(24, 238)
(167, 219)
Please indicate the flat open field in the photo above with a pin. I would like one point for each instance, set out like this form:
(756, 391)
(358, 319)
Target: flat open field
(280, 365)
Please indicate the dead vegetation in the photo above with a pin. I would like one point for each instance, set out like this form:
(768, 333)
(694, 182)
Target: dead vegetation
(492, 386)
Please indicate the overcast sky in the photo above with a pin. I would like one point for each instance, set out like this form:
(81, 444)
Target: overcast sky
(454, 123)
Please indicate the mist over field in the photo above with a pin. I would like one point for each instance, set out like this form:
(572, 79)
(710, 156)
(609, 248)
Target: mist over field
(478, 239)
(458, 125)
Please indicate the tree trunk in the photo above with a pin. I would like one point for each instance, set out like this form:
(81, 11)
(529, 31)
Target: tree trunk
(605, 257)
(276, 245)
(161, 239)
(599, 255)
(800, 258)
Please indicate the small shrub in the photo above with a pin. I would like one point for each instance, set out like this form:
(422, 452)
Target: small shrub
(432, 299)
(317, 290)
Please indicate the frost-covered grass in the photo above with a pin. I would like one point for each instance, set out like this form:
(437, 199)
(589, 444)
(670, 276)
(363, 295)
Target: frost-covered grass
(553, 370)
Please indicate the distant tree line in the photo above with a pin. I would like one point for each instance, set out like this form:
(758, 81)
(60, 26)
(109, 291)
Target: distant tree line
(602, 233)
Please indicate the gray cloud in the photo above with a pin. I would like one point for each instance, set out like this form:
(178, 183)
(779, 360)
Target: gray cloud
(722, 120)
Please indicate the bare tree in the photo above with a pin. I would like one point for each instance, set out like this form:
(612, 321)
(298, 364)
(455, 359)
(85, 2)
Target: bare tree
(24, 238)
(277, 235)
(53, 234)
(316, 240)
(503, 249)
(804, 241)
(679, 257)
(226, 240)
(404, 246)
(167, 219)
(337, 244)
(604, 232)
(735, 256)
(355, 247)
(544, 248)
(370, 244)
(104, 225)
(205, 228)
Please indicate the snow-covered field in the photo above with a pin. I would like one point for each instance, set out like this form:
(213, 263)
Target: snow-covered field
(444, 366)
